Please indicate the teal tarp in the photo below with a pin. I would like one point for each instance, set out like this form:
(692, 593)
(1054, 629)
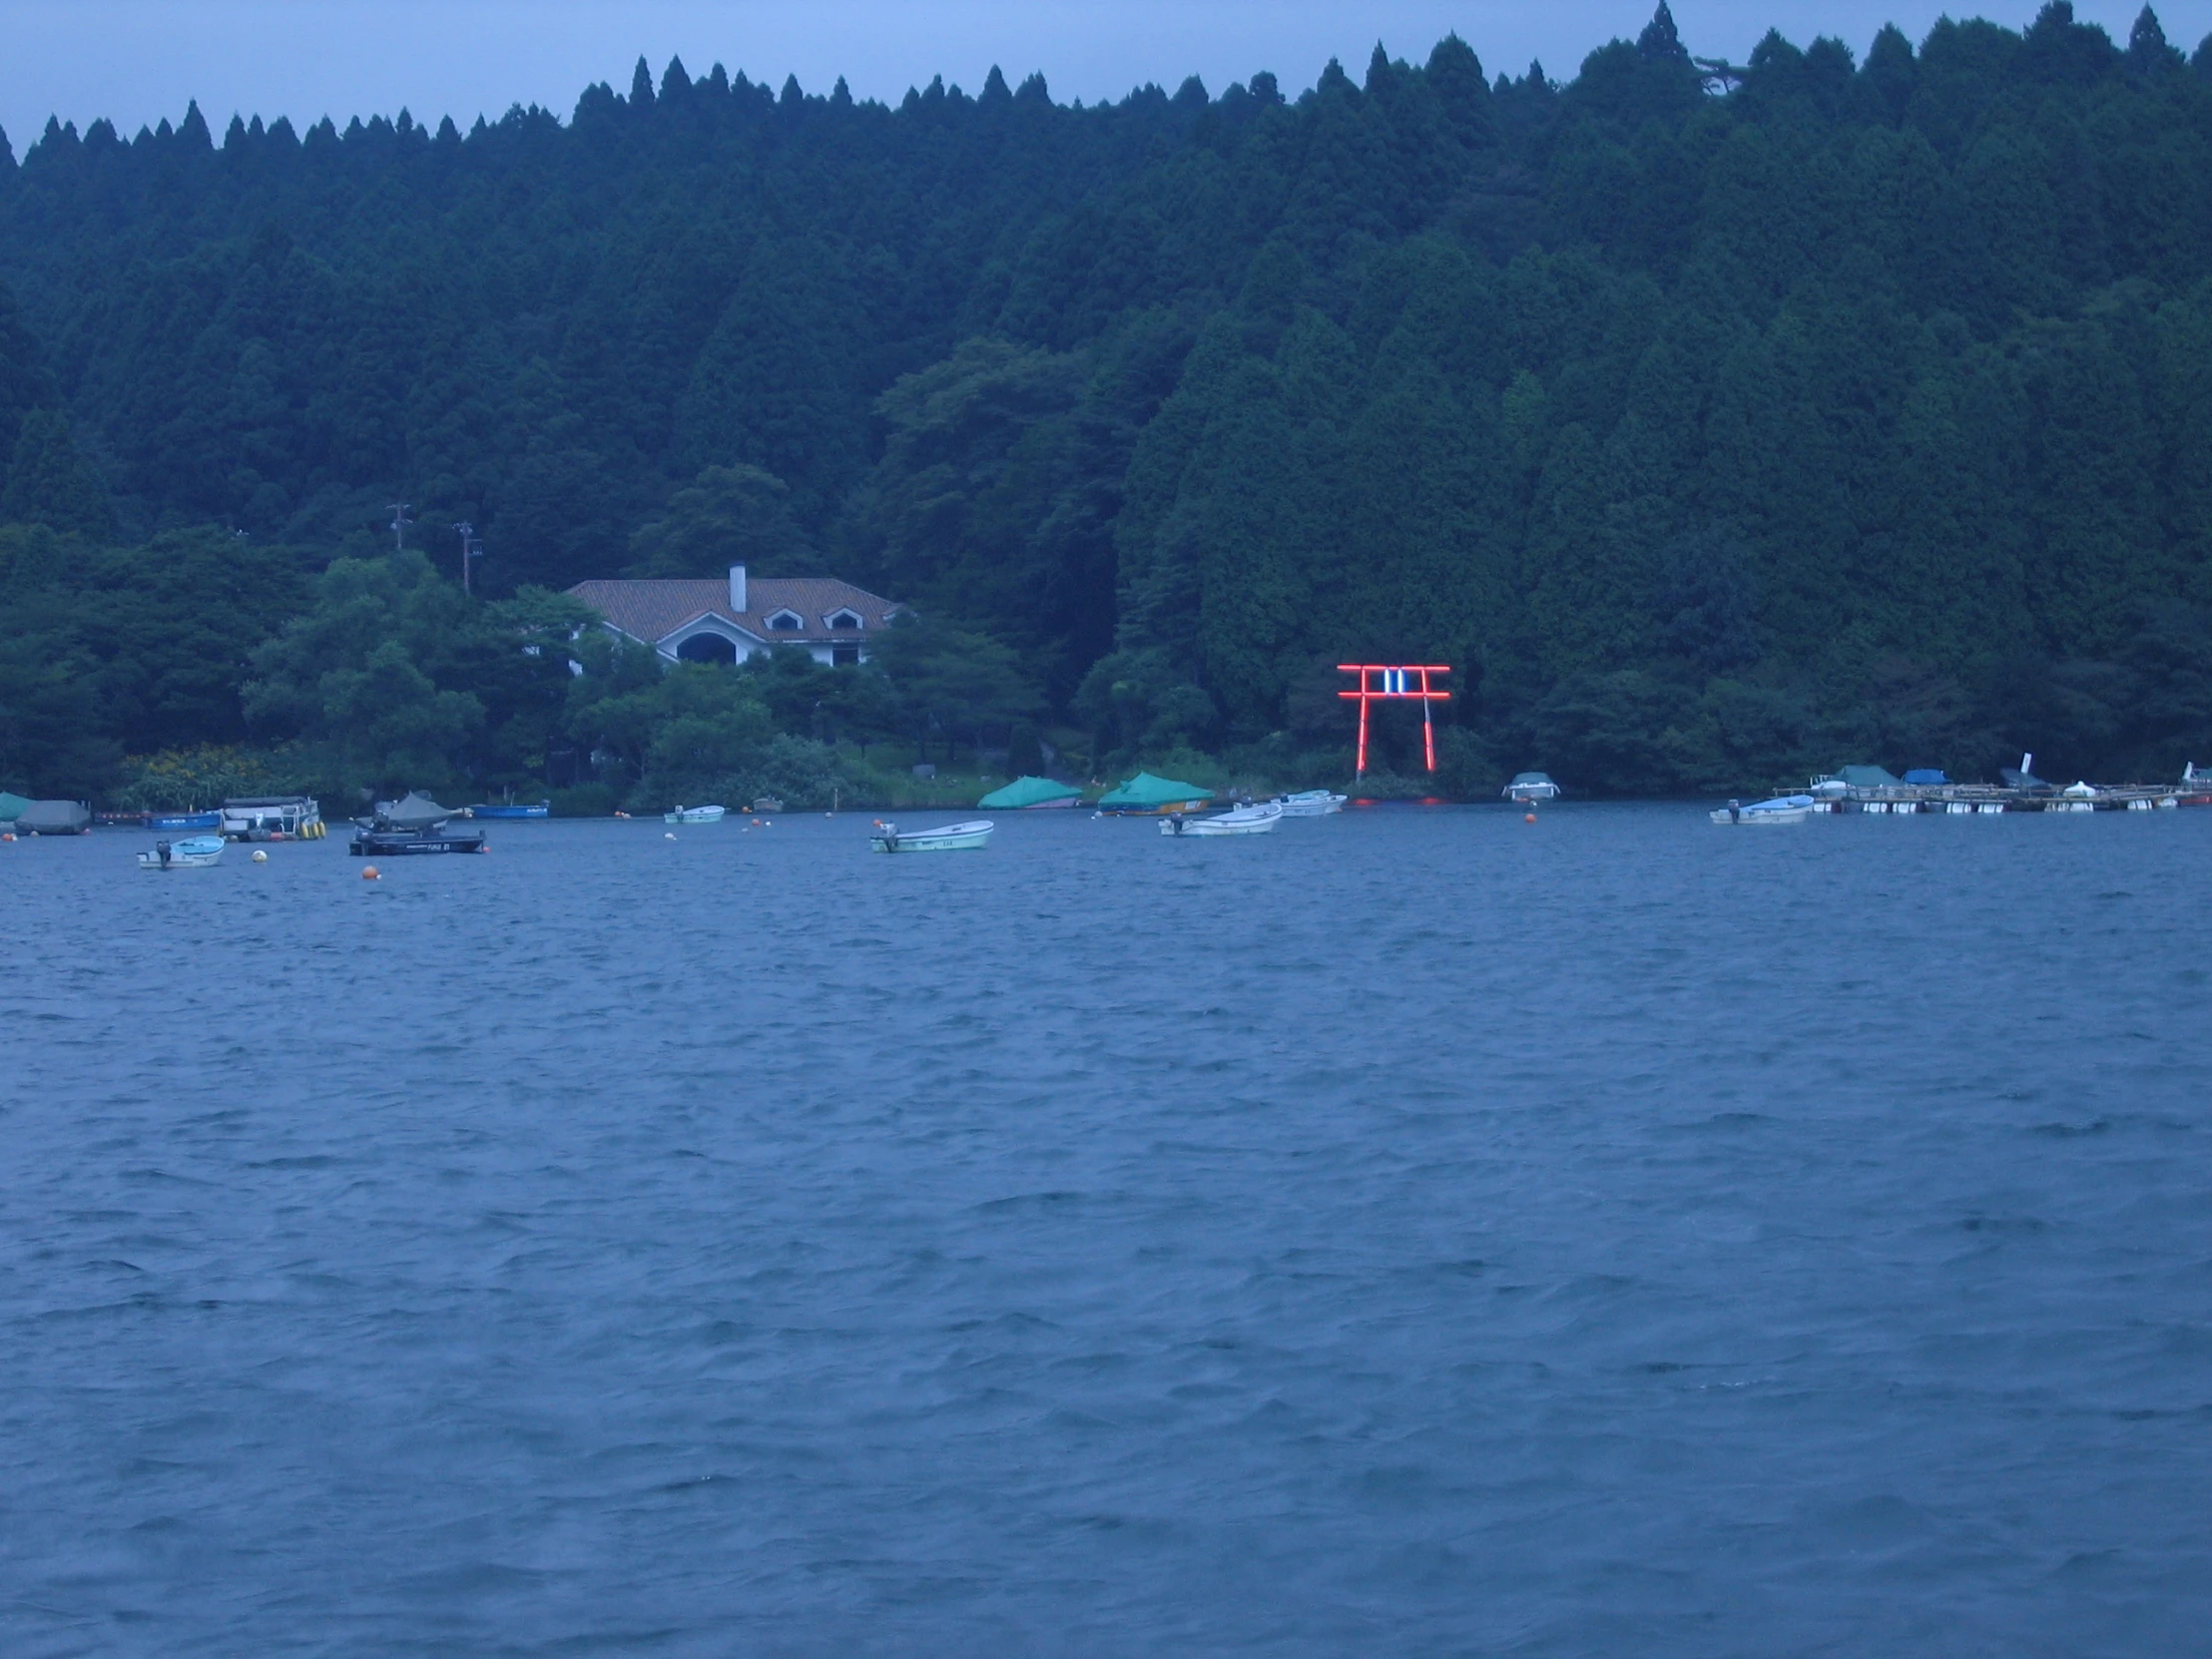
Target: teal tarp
(11, 806)
(1867, 778)
(1144, 790)
(1030, 792)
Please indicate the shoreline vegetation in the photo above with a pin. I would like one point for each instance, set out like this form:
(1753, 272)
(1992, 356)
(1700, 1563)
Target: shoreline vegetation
(192, 780)
(1717, 424)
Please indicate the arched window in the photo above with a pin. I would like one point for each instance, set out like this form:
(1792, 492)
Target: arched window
(846, 619)
(707, 647)
(786, 621)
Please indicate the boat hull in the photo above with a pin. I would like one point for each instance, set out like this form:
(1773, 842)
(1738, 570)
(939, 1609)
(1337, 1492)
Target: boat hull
(541, 810)
(1245, 821)
(951, 838)
(1313, 804)
(696, 814)
(185, 820)
(374, 844)
(1751, 816)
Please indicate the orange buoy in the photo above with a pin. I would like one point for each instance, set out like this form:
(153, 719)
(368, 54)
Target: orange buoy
(1531, 819)
(369, 872)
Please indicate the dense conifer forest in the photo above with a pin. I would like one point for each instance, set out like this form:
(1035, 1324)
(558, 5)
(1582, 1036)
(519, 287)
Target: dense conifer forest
(1715, 423)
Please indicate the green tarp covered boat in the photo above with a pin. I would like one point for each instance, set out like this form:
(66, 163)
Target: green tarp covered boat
(1028, 793)
(1147, 794)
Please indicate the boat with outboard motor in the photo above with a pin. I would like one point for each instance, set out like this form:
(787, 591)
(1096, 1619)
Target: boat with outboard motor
(696, 814)
(1247, 819)
(511, 808)
(1783, 809)
(193, 852)
(412, 827)
(970, 836)
(1310, 803)
(1528, 788)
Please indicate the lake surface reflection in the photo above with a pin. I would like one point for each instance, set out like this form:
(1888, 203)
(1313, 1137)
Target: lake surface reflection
(1413, 1232)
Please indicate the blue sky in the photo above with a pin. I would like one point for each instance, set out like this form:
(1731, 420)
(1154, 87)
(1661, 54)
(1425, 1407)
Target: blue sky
(135, 61)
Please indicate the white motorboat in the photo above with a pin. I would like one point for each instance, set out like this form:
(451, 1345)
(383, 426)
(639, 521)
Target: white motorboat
(950, 838)
(1783, 809)
(193, 852)
(1310, 803)
(272, 817)
(1241, 820)
(1528, 788)
(695, 815)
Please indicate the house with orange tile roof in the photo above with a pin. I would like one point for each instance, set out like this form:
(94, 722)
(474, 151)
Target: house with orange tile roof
(713, 621)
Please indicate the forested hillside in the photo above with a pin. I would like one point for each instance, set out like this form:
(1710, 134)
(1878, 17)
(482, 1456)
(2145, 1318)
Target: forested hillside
(1714, 422)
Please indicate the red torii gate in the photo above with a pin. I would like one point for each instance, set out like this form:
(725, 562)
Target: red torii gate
(1398, 685)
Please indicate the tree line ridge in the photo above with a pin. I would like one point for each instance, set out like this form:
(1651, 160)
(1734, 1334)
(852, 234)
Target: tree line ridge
(1715, 422)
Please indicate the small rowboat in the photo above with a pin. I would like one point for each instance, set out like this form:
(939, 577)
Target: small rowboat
(1244, 821)
(951, 838)
(1310, 803)
(1783, 809)
(695, 815)
(193, 852)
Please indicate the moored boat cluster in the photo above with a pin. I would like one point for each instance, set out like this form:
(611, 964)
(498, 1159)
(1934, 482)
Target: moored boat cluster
(1878, 791)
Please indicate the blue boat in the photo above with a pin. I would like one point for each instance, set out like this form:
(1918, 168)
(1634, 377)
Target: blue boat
(543, 808)
(186, 820)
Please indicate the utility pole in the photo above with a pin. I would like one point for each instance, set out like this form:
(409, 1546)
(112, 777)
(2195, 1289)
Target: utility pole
(471, 552)
(401, 524)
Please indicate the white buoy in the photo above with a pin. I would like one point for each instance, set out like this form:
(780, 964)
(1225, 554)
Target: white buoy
(668, 836)
(259, 857)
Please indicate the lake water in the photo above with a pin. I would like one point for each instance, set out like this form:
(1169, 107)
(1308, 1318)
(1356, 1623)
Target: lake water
(1416, 1232)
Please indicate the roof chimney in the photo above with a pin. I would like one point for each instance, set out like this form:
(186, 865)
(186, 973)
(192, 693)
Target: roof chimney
(737, 589)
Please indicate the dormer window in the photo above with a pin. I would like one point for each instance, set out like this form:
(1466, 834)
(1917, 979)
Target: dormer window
(786, 621)
(845, 620)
